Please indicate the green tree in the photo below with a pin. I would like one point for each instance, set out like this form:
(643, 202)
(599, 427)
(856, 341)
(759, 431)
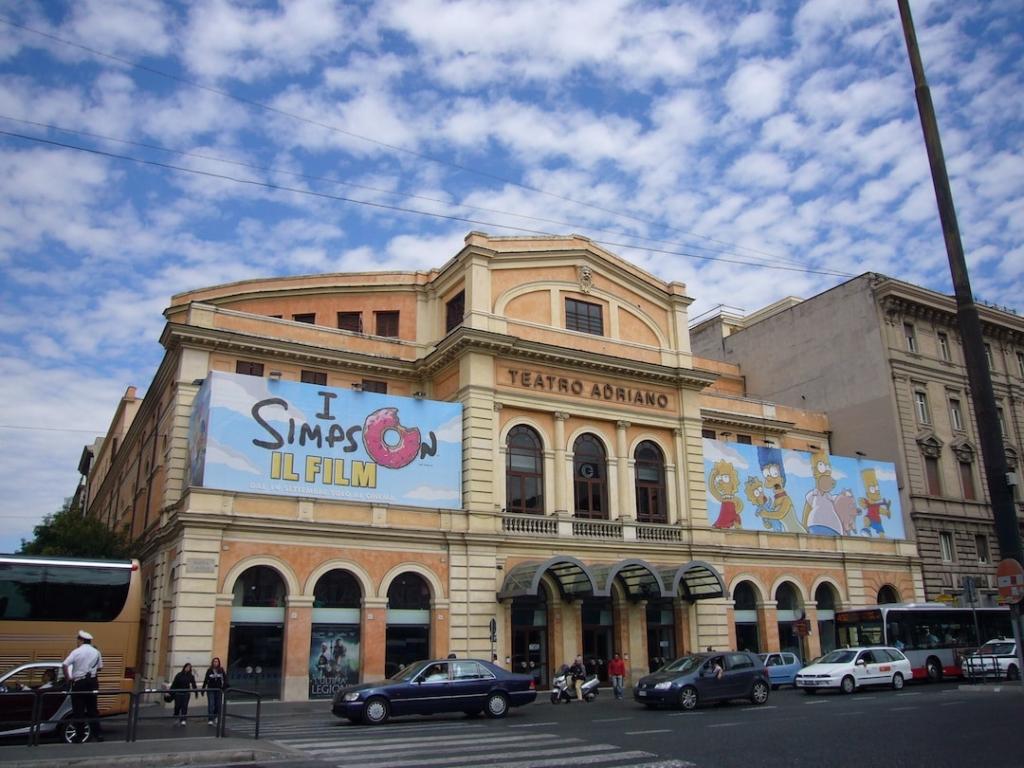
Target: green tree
(68, 533)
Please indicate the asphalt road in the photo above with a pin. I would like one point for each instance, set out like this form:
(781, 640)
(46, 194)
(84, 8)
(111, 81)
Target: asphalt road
(923, 725)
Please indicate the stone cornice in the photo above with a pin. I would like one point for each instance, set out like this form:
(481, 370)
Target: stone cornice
(748, 421)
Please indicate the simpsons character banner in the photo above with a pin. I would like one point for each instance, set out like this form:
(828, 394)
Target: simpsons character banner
(760, 488)
(248, 433)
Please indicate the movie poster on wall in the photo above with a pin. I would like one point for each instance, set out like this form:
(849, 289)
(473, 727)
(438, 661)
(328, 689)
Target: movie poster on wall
(763, 488)
(249, 433)
(333, 659)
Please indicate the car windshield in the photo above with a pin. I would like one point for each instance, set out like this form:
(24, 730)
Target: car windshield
(408, 673)
(997, 649)
(684, 664)
(838, 657)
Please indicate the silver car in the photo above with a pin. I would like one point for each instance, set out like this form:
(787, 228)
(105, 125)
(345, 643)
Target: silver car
(18, 690)
(995, 659)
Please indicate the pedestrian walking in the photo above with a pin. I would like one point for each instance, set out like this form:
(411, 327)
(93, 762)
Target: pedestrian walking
(617, 673)
(179, 687)
(82, 667)
(214, 683)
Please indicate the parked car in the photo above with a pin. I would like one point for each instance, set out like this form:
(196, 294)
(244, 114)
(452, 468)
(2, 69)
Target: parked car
(781, 667)
(441, 685)
(17, 696)
(703, 677)
(996, 659)
(848, 669)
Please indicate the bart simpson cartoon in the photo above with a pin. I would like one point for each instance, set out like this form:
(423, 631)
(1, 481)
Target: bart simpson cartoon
(874, 505)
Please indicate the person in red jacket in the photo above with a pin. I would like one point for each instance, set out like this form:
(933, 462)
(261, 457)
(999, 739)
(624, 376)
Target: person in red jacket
(617, 673)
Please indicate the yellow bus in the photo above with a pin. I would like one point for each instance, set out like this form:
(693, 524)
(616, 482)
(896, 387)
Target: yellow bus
(45, 601)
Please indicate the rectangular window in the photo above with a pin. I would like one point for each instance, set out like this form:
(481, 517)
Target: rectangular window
(708, 433)
(351, 321)
(988, 354)
(921, 406)
(584, 317)
(967, 480)
(743, 439)
(387, 324)
(910, 336)
(379, 387)
(981, 546)
(454, 311)
(946, 546)
(931, 473)
(248, 368)
(1020, 363)
(314, 377)
(1002, 423)
(944, 346)
(956, 417)
(305, 317)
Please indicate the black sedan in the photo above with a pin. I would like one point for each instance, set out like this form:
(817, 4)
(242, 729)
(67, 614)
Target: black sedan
(428, 687)
(704, 677)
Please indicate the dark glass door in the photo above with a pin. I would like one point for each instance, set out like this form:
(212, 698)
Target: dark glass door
(254, 658)
(598, 636)
(405, 644)
(529, 653)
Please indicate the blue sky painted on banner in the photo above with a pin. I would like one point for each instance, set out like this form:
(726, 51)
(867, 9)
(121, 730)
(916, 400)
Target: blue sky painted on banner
(752, 150)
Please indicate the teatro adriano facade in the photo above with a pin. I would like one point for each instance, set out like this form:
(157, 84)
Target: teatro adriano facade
(512, 456)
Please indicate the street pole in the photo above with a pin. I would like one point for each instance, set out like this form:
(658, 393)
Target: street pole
(990, 434)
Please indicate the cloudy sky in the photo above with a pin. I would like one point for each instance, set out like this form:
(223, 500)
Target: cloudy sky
(752, 150)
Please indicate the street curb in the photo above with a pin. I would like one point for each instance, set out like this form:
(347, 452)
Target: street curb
(166, 759)
(987, 688)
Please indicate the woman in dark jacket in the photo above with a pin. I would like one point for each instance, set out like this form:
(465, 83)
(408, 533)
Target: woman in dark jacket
(180, 685)
(215, 682)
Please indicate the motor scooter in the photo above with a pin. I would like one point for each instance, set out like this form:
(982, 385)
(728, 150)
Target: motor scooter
(563, 689)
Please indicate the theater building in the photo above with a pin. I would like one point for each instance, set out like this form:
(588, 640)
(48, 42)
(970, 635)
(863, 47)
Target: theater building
(513, 455)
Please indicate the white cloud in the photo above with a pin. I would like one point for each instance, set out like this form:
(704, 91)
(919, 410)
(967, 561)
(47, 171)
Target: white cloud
(756, 89)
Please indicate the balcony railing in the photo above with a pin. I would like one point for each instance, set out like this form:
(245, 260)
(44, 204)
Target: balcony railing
(597, 529)
(529, 525)
(564, 526)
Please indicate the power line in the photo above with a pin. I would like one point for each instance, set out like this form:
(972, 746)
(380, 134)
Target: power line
(402, 209)
(385, 145)
(332, 180)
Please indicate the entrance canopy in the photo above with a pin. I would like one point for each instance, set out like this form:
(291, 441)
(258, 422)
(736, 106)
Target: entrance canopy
(696, 580)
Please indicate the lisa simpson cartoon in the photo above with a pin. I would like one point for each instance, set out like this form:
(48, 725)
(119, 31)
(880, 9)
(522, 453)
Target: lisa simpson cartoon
(723, 484)
(873, 504)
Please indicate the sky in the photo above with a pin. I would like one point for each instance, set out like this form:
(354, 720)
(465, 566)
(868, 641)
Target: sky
(752, 150)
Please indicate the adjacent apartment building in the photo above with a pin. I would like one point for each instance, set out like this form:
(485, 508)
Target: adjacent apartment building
(884, 360)
(330, 476)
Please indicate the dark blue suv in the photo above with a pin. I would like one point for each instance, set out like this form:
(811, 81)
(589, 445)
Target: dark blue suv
(704, 677)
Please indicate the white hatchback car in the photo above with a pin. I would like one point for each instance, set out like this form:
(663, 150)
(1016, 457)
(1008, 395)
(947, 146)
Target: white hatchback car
(851, 668)
(996, 658)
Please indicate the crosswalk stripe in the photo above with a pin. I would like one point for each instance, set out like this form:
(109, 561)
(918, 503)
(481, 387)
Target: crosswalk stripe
(452, 760)
(356, 736)
(405, 744)
(630, 758)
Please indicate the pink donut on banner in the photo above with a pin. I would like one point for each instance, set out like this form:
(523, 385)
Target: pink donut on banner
(393, 457)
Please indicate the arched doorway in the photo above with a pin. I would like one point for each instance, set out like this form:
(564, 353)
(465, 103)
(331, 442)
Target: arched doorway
(334, 637)
(256, 639)
(888, 594)
(745, 599)
(789, 610)
(524, 472)
(826, 598)
(598, 620)
(661, 633)
(590, 478)
(649, 471)
(408, 633)
(530, 636)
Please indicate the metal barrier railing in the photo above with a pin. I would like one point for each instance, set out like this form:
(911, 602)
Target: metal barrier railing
(37, 725)
(982, 667)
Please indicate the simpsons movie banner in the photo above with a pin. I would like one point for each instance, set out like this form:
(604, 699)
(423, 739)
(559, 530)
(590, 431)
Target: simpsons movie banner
(760, 488)
(248, 433)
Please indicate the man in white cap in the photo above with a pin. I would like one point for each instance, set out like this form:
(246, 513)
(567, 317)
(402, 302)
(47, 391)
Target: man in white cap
(82, 667)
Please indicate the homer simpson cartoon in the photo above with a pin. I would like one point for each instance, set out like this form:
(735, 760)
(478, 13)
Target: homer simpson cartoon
(873, 504)
(820, 515)
(723, 484)
(781, 510)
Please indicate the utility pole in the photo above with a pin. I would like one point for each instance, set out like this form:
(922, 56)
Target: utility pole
(989, 432)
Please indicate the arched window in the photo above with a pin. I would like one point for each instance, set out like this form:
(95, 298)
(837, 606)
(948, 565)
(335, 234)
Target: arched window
(888, 594)
(524, 472)
(337, 589)
(650, 483)
(259, 587)
(745, 599)
(590, 477)
(825, 597)
(409, 592)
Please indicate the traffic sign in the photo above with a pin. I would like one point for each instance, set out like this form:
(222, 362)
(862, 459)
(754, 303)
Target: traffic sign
(1010, 580)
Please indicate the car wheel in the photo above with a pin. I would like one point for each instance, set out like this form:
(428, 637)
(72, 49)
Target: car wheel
(848, 685)
(71, 734)
(759, 693)
(497, 705)
(1012, 673)
(934, 670)
(897, 682)
(688, 698)
(376, 711)
(556, 698)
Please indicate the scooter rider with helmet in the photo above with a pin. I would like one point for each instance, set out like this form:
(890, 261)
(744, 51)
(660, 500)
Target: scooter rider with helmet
(578, 673)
